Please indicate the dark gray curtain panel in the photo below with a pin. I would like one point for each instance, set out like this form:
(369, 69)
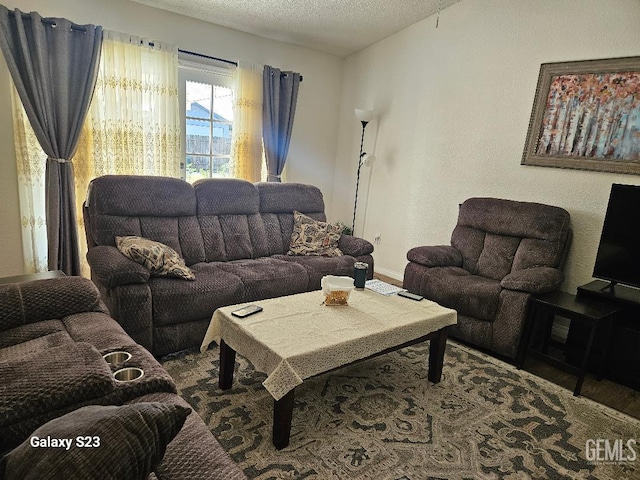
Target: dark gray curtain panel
(54, 66)
(278, 111)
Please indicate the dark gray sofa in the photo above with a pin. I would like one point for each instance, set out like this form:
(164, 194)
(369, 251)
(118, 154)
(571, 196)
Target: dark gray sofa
(233, 234)
(502, 252)
(53, 334)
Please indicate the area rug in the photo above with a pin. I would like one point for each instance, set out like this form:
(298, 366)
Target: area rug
(382, 419)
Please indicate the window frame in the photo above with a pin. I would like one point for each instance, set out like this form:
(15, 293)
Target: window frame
(205, 71)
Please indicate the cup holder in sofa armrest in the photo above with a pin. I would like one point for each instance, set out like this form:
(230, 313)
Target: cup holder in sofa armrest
(116, 358)
(137, 375)
(128, 374)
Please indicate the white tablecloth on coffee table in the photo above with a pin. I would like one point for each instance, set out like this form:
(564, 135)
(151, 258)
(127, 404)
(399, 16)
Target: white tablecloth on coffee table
(296, 337)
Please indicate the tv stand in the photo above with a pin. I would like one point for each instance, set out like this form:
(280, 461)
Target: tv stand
(611, 286)
(624, 355)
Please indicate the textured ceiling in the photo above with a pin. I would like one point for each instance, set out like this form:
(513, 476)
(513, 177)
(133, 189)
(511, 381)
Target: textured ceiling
(339, 27)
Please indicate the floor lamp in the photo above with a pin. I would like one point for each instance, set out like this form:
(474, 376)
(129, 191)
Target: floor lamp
(365, 116)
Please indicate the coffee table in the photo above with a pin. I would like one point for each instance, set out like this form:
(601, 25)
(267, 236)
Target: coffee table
(297, 337)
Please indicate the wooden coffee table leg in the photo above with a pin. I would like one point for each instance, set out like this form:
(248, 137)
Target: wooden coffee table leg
(282, 415)
(436, 355)
(227, 362)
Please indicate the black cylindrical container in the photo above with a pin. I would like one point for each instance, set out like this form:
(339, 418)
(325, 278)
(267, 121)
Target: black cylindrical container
(360, 274)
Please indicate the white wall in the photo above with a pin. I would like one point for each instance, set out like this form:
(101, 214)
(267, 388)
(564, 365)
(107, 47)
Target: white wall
(313, 144)
(454, 105)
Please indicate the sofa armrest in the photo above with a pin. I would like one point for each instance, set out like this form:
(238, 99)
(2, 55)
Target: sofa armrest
(354, 246)
(435, 256)
(111, 268)
(39, 300)
(534, 280)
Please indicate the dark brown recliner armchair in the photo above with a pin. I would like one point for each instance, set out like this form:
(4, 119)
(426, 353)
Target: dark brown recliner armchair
(501, 252)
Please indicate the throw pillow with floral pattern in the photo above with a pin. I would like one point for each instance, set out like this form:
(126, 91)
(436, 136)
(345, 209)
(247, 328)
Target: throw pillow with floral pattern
(160, 259)
(312, 237)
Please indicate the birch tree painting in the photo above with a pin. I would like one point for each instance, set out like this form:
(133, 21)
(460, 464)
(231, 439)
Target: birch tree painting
(592, 116)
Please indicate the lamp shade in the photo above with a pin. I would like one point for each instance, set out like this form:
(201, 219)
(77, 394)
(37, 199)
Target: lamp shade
(364, 115)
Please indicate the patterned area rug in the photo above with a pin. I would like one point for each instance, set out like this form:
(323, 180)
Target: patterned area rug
(381, 419)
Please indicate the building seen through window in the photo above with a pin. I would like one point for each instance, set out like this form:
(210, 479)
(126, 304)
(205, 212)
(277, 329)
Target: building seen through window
(208, 128)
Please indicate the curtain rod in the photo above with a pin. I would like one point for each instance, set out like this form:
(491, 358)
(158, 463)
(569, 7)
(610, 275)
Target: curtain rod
(52, 22)
(48, 21)
(201, 55)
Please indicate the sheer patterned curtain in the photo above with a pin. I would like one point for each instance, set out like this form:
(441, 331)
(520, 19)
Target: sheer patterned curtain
(133, 126)
(134, 119)
(246, 143)
(31, 161)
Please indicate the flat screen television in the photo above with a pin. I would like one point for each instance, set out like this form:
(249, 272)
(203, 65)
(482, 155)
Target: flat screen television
(618, 259)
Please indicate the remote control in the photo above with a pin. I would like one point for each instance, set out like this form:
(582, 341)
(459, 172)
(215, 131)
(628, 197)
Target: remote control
(246, 311)
(410, 295)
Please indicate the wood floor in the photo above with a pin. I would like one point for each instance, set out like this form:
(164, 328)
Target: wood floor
(614, 395)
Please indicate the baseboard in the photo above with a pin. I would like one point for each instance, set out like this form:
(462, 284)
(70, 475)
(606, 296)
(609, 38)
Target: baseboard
(388, 273)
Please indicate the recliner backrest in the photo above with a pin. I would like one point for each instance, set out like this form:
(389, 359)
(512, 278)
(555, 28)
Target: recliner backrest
(497, 236)
(244, 220)
(241, 220)
(229, 216)
(158, 208)
(277, 203)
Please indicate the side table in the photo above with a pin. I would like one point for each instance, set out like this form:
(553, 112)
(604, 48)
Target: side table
(577, 309)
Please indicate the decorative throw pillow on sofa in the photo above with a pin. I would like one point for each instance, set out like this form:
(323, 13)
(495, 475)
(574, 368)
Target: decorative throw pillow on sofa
(105, 442)
(312, 237)
(158, 258)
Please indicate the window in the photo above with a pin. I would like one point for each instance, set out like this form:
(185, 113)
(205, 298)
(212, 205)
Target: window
(207, 100)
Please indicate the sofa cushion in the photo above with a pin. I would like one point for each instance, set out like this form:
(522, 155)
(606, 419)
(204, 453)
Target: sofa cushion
(469, 294)
(535, 280)
(98, 329)
(50, 380)
(160, 259)
(140, 196)
(233, 237)
(311, 237)
(435, 256)
(354, 246)
(213, 287)
(287, 197)
(47, 299)
(278, 201)
(515, 219)
(279, 228)
(127, 442)
(226, 196)
(30, 331)
(34, 345)
(268, 277)
(231, 224)
(496, 258)
(318, 267)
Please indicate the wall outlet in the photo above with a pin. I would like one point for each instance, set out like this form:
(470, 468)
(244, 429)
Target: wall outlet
(377, 238)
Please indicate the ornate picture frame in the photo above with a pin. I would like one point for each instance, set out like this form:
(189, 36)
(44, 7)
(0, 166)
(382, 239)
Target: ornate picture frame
(586, 116)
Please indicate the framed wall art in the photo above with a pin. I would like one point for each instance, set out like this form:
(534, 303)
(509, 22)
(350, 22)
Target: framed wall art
(586, 115)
